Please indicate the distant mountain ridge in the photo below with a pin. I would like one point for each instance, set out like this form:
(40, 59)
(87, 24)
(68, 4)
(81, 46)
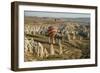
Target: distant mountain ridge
(80, 20)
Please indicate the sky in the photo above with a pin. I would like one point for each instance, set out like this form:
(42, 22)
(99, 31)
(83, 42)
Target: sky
(56, 14)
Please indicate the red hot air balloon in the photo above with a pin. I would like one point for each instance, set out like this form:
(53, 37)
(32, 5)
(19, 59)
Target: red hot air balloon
(52, 30)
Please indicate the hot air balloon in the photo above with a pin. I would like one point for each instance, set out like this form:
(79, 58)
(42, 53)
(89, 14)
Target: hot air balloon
(52, 32)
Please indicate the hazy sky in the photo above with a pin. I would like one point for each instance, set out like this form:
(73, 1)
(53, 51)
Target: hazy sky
(56, 14)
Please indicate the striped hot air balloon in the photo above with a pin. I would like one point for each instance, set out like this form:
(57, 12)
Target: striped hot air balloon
(52, 30)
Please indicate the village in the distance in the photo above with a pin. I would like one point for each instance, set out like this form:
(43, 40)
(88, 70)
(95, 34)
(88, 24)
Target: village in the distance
(48, 38)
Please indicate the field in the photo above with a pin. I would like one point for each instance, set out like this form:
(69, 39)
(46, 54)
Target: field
(68, 39)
